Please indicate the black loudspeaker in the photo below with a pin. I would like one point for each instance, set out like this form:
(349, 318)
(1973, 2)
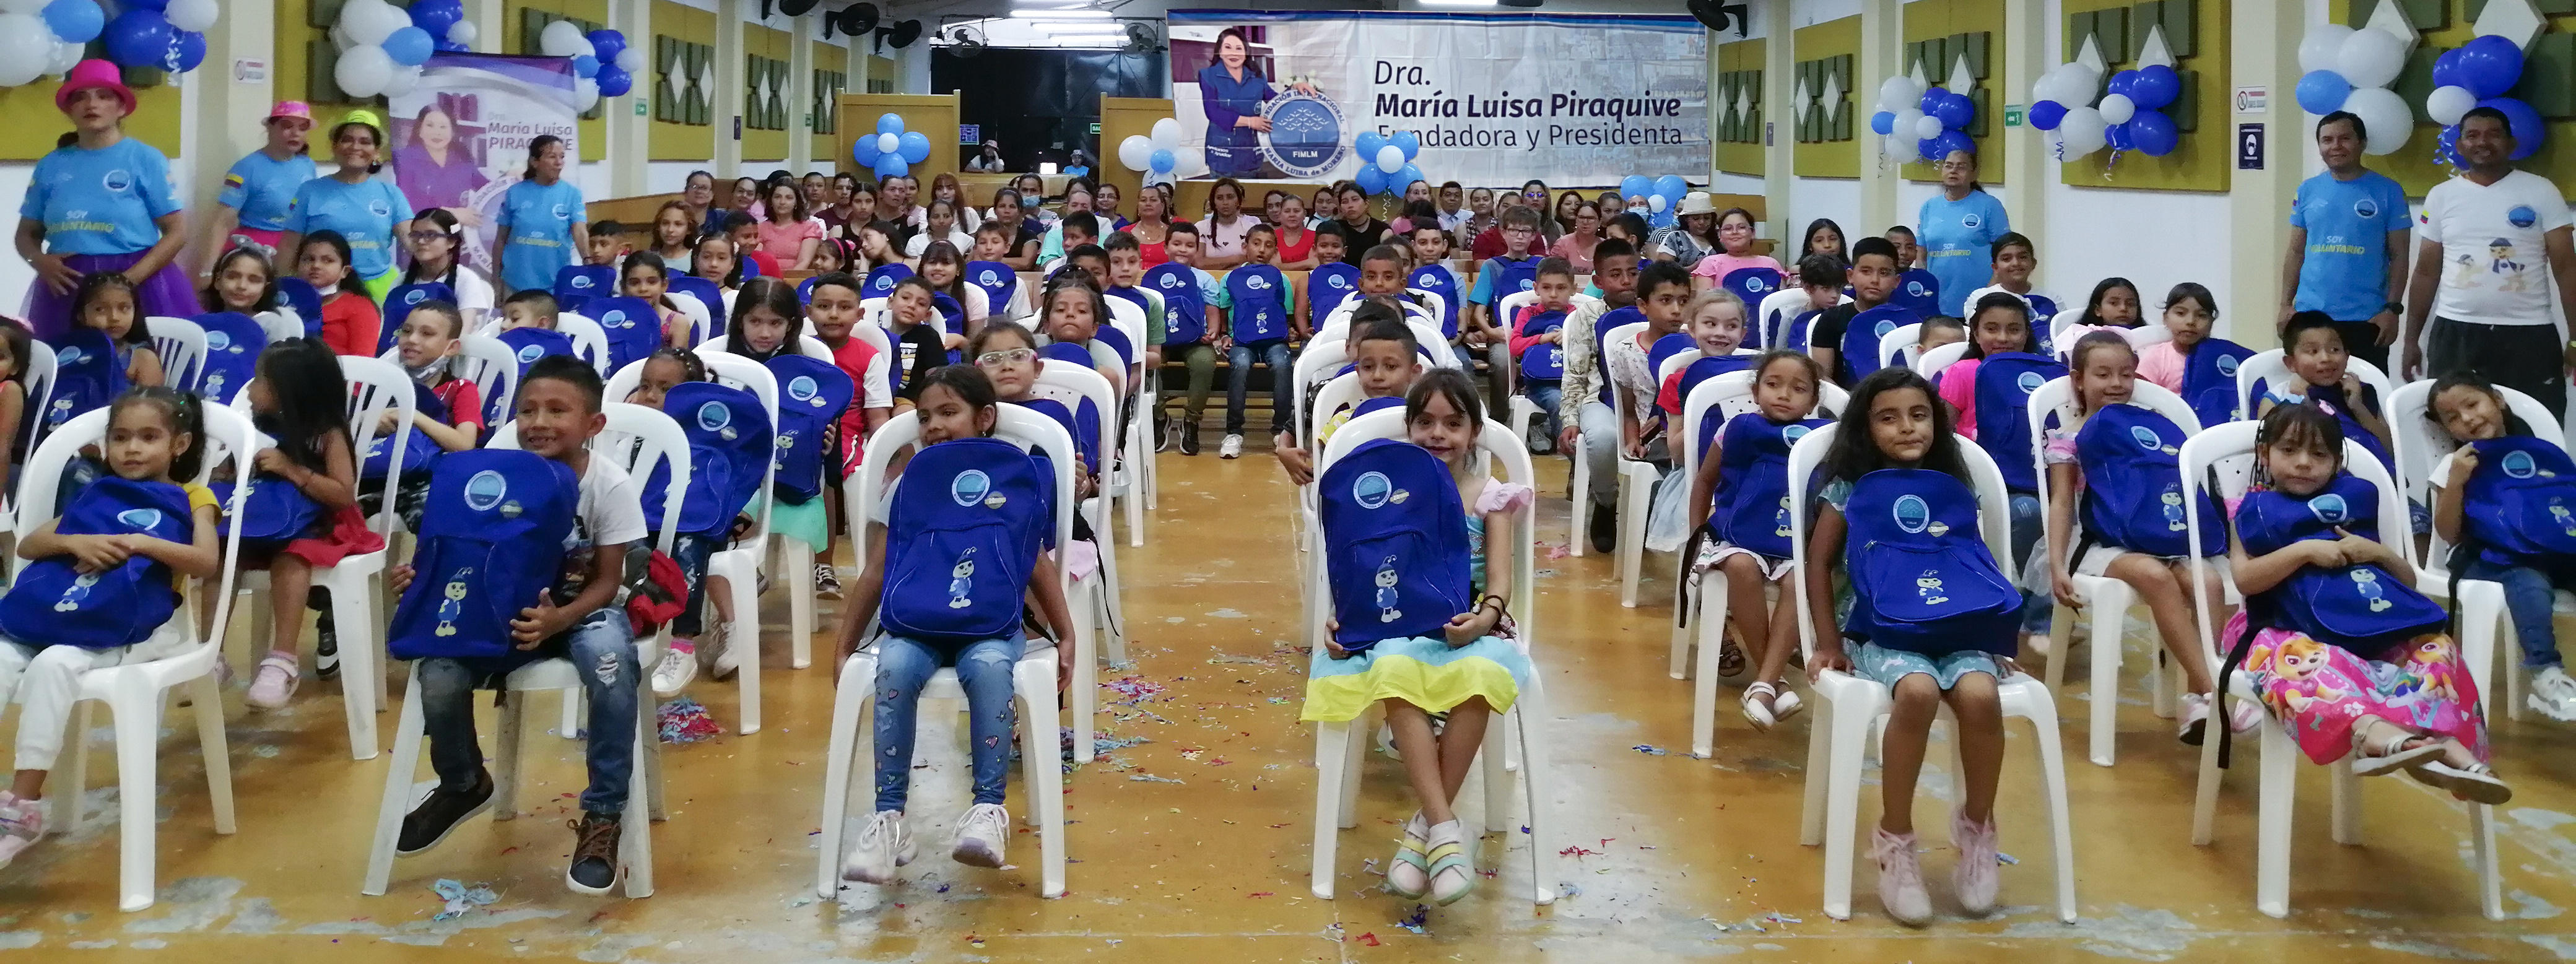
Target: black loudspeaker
(1720, 16)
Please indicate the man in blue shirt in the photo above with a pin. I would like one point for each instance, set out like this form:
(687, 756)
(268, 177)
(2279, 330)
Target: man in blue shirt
(1958, 228)
(2348, 244)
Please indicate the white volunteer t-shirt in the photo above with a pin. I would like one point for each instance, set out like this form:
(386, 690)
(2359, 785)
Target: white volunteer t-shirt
(610, 513)
(2494, 270)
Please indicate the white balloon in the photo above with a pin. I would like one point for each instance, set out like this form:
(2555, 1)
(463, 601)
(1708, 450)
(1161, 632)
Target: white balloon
(1927, 127)
(1390, 159)
(26, 49)
(363, 71)
(29, 7)
(889, 143)
(369, 22)
(2446, 105)
(1906, 124)
(585, 94)
(588, 49)
(1655, 203)
(1896, 94)
(2385, 115)
(2118, 108)
(1902, 147)
(561, 39)
(2071, 84)
(67, 55)
(2371, 58)
(2084, 131)
(2319, 49)
(340, 38)
(1136, 153)
(631, 60)
(462, 33)
(402, 81)
(194, 15)
(1167, 135)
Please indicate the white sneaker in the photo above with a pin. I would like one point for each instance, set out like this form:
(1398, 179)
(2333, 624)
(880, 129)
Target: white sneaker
(720, 635)
(22, 823)
(2553, 694)
(883, 846)
(981, 835)
(679, 665)
(1232, 447)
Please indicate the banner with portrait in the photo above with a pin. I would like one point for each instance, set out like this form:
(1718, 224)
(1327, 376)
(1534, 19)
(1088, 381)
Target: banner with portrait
(1573, 99)
(460, 138)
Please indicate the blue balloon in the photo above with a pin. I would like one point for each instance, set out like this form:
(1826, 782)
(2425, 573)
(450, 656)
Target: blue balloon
(75, 21)
(2446, 147)
(2490, 65)
(1956, 110)
(2447, 71)
(606, 44)
(1635, 185)
(1882, 123)
(1928, 150)
(1931, 103)
(435, 16)
(914, 146)
(1370, 179)
(863, 149)
(411, 47)
(2124, 83)
(1161, 162)
(2047, 114)
(890, 124)
(2120, 138)
(2157, 85)
(1367, 145)
(140, 38)
(188, 51)
(2323, 92)
(2523, 121)
(1409, 174)
(2154, 133)
(891, 165)
(1661, 220)
(584, 65)
(614, 82)
(1951, 142)
(1672, 187)
(1408, 142)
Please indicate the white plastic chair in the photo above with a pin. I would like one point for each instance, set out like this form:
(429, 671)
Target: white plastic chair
(1850, 708)
(1930, 364)
(2420, 449)
(134, 692)
(1339, 747)
(1777, 309)
(589, 341)
(2107, 599)
(701, 321)
(1033, 679)
(1637, 479)
(280, 323)
(639, 438)
(1900, 345)
(1096, 599)
(1426, 333)
(738, 563)
(181, 343)
(1128, 478)
(2151, 331)
(376, 388)
(2272, 369)
(806, 345)
(2229, 450)
(494, 369)
(1723, 398)
(39, 383)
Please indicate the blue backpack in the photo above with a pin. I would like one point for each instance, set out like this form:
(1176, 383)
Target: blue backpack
(999, 282)
(1328, 286)
(233, 344)
(2004, 383)
(1752, 506)
(812, 394)
(1919, 291)
(1260, 295)
(273, 511)
(1793, 336)
(881, 281)
(419, 453)
(2521, 502)
(491, 538)
(1542, 362)
(399, 303)
(1701, 370)
(633, 326)
(962, 540)
(300, 295)
(1751, 285)
(1859, 356)
(1084, 429)
(1395, 543)
(530, 344)
(2209, 380)
(1438, 280)
(53, 603)
(729, 436)
(2132, 462)
(2331, 397)
(708, 295)
(1922, 578)
(2363, 608)
(87, 375)
(952, 315)
(1609, 321)
(1184, 305)
(1511, 276)
(576, 284)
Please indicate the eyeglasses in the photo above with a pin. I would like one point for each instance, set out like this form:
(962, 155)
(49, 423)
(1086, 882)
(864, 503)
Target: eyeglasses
(1737, 228)
(428, 235)
(1007, 356)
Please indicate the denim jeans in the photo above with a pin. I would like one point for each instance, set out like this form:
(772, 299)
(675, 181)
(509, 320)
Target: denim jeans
(602, 649)
(1238, 360)
(984, 670)
(1546, 394)
(2037, 605)
(2529, 597)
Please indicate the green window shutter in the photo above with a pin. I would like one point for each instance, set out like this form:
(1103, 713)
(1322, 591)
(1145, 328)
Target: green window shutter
(319, 85)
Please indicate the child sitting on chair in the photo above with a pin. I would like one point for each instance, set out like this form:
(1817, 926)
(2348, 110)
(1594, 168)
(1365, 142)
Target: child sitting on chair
(2525, 552)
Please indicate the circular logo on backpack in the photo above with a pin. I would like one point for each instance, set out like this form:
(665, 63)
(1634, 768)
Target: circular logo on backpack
(615, 318)
(1756, 284)
(987, 278)
(581, 281)
(1912, 514)
(68, 357)
(1883, 327)
(530, 354)
(2330, 509)
(2030, 382)
(140, 518)
(1914, 289)
(714, 416)
(2520, 465)
(2227, 365)
(1793, 433)
(485, 490)
(803, 388)
(218, 341)
(413, 296)
(970, 487)
(1371, 489)
(2146, 438)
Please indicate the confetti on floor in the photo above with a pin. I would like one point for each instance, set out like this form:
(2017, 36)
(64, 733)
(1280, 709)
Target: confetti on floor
(1150, 778)
(685, 720)
(461, 898)
(1649, 749)
(1136, 689)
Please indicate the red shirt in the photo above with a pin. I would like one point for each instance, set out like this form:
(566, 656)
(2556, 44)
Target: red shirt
(351, 324)
(1291, 252)
(853, 356)
(464, 404)
(768, 265)
(1489, 245)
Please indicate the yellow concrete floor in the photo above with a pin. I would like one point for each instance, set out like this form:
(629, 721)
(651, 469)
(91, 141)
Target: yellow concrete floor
(1194, 846)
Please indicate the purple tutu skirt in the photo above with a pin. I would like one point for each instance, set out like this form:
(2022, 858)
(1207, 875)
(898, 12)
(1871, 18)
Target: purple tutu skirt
(166, 293)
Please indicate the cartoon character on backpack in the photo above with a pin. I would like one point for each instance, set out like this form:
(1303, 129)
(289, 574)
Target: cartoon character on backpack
(2173, 510)
(2366, 582)
(78, 593)
(1927, 587)
(1386, 594)
(453, 608)
(961, 581)
(2559, 514)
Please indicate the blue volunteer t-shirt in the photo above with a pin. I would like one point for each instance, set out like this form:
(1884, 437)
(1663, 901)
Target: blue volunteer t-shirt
(2345, 271)
(102, 201)
(540, 218)
(1958, 244)
(261, 187)
(365, 213)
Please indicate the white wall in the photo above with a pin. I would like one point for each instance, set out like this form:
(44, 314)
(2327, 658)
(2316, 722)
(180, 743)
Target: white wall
(1825, 197)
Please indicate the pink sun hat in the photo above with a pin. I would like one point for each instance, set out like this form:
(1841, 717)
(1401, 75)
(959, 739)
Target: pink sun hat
(89, 74)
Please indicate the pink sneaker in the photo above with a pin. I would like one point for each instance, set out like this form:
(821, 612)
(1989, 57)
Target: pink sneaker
(1900, 879)
(275, 682)
(21, 823)
(1975, 879)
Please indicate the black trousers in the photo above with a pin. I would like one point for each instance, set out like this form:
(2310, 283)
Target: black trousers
(2527, 358)
(2361, 340)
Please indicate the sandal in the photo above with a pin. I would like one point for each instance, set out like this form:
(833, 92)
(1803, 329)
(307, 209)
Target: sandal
(2369, 759)
(2475, 783)
(1453, 876)
(1730, 659)
(1786, 705)
(1409, 875)
(1761, 705)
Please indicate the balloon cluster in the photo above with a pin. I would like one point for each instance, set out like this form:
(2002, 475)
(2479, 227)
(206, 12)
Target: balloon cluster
(602, 64)
(891, 151)
(39, 37)
(1661, 195)
(2477, 75)
(1386, 163)
(1157, 157)
(1920, 121)
(2350, 70)
(382, 46)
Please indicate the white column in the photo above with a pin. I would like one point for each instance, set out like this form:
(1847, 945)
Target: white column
(1882, 44)
(728, 94)
(487, 16)
(800, 96)
(224, 121)
(1779, 118)
(2263, 51)
(2026, 48)
(629, 150)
